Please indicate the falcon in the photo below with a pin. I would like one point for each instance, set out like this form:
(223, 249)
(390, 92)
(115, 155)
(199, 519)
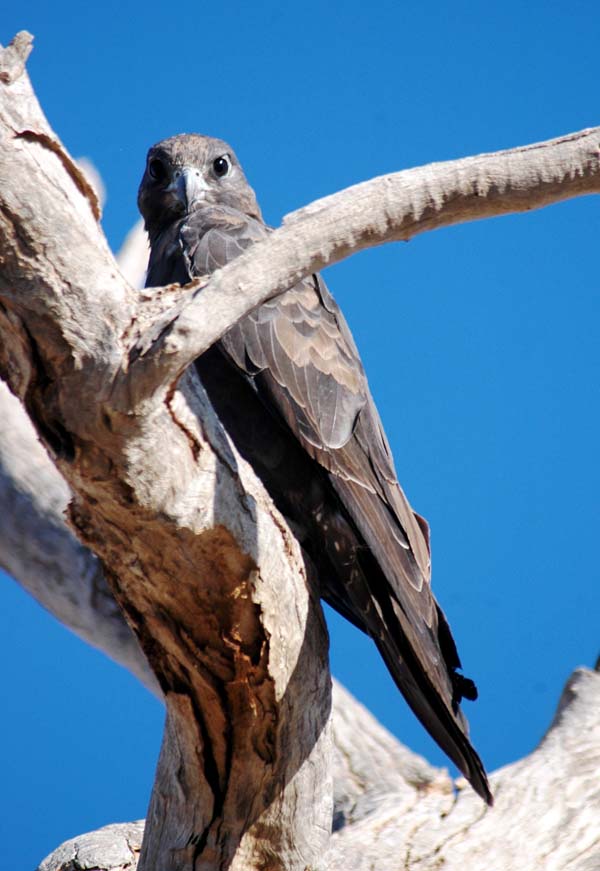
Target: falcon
(289, 387)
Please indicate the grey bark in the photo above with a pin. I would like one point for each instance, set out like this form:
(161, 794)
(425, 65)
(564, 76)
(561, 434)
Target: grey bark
(546, 813)
(243, 776)
(546, 816)
(193, 549)
(42, 552)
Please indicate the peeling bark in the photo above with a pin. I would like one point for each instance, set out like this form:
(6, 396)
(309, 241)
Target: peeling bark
(193, 549)
(205, 569)
(44, 555)
(545, 816)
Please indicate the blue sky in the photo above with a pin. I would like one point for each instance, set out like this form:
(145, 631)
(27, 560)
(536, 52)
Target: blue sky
(480, 341)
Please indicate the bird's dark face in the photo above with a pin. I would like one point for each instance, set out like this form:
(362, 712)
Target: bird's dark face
(188, 172)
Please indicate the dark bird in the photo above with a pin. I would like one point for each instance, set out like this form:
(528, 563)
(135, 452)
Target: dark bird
(288, 385)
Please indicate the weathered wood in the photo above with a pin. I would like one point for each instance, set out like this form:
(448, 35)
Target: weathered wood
(546, 816)
(194, 550)
(46, 558)
(42, 553)
(546, 813)
(114, 847)
(210, 577)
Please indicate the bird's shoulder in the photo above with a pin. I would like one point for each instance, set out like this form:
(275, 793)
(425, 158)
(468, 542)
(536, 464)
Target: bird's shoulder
(212, 236)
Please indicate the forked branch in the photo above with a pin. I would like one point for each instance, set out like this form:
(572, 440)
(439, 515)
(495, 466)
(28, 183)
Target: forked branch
(204, 567)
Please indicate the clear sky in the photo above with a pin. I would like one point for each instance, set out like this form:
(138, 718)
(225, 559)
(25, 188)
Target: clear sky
(480, 341)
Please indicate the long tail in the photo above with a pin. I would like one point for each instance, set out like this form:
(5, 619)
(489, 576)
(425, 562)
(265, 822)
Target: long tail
(448, 729)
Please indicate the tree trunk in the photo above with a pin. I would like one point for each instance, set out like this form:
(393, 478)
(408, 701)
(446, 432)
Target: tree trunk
(205, 569)
(546, 814)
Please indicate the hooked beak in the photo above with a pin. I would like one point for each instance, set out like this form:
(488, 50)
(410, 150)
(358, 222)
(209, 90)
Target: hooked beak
(189, 186)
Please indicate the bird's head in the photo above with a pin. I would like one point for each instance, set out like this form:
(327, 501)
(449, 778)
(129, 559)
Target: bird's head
(188, 172)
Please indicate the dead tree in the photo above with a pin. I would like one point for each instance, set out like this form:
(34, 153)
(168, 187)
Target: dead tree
(191, 546)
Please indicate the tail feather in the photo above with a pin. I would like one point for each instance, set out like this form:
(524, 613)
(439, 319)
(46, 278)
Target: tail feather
(448, 729)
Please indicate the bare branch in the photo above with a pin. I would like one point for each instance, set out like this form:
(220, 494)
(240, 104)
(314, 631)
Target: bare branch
(194, 550)
(15, 57)
(43, 554)
(545, 816)
(390, 208)
(546, 812)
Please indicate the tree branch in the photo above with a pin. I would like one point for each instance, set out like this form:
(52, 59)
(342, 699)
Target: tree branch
(390, 208)
(545, 816)
(205, 568)
(40, 551)
(194, 550)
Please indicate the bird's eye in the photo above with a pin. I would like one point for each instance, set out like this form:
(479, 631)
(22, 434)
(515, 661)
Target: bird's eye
(157, 170)
(221, 166)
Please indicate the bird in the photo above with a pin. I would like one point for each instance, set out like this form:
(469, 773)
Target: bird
(289, 387)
